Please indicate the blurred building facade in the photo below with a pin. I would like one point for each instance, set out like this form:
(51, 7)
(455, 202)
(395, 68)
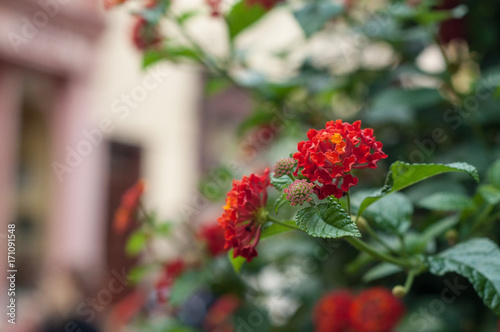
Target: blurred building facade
(80, 122)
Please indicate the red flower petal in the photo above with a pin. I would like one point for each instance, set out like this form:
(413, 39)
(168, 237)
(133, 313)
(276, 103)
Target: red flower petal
(329, 155)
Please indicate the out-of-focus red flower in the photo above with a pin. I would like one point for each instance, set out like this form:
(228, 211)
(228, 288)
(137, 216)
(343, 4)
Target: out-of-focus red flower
(171, 271)
(127, 308)
(268, 4)
(144, 34)
(213, 236)
(218, 318)
(244, 214)
(108, 4)
(214, 7)
(331, 313)
(348, 4)
(128, 206)
(331, 154)
(453, 28)
(375, 310)
(258, 139)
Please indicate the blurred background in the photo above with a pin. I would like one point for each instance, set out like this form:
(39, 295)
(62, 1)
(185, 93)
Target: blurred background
(81, 122)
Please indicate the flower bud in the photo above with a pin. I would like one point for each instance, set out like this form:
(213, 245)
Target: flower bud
(361, 222)
(399, 291)
(284, 166)
(299, 192)
(451, 236)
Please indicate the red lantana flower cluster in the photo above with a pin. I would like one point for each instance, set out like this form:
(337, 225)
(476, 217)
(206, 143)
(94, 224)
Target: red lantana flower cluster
(373, 310)
(331, 154)
(244, 214)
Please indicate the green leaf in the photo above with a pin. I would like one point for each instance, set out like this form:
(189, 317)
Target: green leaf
(185, 285)
(184, 17)
(314, 15)
(151, 57)
(216, 85)
(326, 221)
(434, 16)
(169, 52)
(490, 193)
(392, 213)
(280, 202)
(477, 260)
(446, 201)
(380, 271)
(413, 98)
(139, 272)
(275, 229)
(439, 227)
(136, 243)
(162, 228)
(402, 175)
(419, 243)
(358, 263)
(398, 105)
(237, 262)
(425, 14)
(243, 15)
(281, 182)
(494, 174)
(176, 52)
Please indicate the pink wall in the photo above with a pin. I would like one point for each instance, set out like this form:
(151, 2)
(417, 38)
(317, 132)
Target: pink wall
(62, 46)
(9, 122)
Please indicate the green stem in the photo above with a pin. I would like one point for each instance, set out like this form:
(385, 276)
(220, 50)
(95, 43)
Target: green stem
(375, 253)
(147, 217)
(348, 201)
(206, 59)
(482, 217)
(368, 228)
(375, 236)
(403, 245)
(493, 217)
(279, 222)
(409, 279)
